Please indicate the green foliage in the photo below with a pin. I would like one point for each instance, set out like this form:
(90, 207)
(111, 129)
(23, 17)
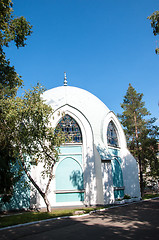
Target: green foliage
(127, 196)
(26, 126)
(155, 25)
(11, 29)
(155, 22)
(9, 80)
(26, 121)
(6, 176)
(133, 115)
(141, 133)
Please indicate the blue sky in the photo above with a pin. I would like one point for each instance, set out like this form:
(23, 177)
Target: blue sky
(102, 45)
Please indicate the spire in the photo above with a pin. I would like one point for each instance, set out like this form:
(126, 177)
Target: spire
(65, 79)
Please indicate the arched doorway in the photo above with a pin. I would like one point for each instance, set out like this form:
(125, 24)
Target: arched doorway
(114, 150)
(69, 170)
(117, 179)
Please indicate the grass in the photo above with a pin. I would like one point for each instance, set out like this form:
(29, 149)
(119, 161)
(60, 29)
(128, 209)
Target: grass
(26, 217)
(150, 195)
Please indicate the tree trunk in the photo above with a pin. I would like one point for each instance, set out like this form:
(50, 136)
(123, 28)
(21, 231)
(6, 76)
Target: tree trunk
(44, 195)
(48, 205)
(139, 157)
(141, 176)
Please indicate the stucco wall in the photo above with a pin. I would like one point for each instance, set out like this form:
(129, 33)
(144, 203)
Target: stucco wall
(93, 118)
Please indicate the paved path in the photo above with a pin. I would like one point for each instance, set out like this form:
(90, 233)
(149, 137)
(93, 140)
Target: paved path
(136, 221)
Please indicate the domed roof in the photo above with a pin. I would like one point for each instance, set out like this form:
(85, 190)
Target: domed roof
(76, 97)
(89, 105)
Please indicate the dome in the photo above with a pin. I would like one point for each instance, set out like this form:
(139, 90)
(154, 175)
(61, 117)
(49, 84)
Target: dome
(89, 105)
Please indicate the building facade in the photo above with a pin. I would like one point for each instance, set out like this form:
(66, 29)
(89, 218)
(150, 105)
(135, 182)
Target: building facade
(95, 167)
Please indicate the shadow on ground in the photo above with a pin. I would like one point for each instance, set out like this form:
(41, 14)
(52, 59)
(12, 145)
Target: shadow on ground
(135, 221)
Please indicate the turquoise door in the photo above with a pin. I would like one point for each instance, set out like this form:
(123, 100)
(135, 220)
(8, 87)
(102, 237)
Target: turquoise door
(69, 175)
(117, 179)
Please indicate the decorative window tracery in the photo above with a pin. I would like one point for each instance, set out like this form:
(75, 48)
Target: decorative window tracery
(112, 138)
(70, 128)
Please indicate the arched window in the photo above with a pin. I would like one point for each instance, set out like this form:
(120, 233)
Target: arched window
(112, 135)
(70, 128)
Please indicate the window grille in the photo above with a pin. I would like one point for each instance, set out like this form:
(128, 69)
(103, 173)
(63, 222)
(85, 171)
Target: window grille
(70, 128)
(112, 135)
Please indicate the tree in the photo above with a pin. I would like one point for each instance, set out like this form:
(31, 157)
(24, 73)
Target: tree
(7, 177)
(141, 133)
(27, 125)
(154, 17)
(11, 29)
(26, 136)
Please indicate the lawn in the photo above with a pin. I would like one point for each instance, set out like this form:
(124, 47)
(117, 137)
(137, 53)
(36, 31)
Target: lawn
(150, 195)
(32, 216)
(26, 217)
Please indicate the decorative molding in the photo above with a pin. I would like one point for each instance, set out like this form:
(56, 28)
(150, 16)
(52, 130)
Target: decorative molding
(119, 188)
(70, 191)
(69, 154)
(106, 160)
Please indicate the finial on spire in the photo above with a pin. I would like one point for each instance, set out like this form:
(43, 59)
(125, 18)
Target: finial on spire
(65, 79)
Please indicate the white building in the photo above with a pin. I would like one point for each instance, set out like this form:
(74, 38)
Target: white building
(96, 167)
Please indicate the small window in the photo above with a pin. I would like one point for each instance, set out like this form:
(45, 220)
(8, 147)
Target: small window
(112, 135)
(70, 127)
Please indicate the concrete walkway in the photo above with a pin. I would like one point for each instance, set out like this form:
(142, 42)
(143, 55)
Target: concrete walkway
(134, 221)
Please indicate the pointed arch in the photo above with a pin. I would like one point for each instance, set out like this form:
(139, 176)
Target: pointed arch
(69, 181)
(70, 127)
(83, 153)
(112, 136)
